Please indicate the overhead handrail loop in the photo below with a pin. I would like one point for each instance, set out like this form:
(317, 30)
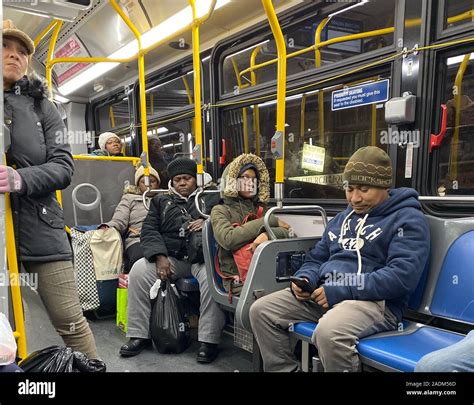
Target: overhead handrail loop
(294, 209)
(158, 191)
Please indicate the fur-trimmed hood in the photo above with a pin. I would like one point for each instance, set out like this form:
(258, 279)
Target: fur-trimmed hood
(33, 86)
(229, 177)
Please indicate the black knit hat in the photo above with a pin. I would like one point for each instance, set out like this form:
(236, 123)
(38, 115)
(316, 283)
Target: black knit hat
(369, 166)
(182, 166)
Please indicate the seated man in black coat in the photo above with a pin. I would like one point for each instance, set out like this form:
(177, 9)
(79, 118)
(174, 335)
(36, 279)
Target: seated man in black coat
(163, 240)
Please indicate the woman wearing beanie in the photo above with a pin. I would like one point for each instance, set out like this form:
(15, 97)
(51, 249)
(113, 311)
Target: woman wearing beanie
(130, 214)
(110, 145)
(39, 163)
(245, 188)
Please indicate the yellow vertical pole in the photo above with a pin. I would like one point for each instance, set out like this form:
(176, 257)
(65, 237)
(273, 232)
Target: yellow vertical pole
(112, 117)
(197, 152)
(12, 260)
(244, 109)
(49, 73)
(302, 116)
(453, 172)
(374, 125)
(141, 79)
(256, 109)
(52, 45)
(317, 41)
(278, 141)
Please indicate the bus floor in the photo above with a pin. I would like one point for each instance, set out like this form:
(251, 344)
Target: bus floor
(40, 334)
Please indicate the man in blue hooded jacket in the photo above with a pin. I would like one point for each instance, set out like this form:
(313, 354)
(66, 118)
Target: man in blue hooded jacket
(369, 260)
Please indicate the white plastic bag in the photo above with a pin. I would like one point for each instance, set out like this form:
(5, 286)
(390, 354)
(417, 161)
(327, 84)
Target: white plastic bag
(7, 342)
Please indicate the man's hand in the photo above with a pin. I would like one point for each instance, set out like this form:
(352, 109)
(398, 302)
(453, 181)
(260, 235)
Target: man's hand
(10, 180)
(283, 224)
(163, 267)
(299, 293)
(263, 237)
(319, 296)
(195, 226)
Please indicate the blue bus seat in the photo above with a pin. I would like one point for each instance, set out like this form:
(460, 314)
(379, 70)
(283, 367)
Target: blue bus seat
(400, 351)
(443, 291)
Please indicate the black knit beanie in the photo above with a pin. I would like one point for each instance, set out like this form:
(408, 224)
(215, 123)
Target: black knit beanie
(369, 166)
(182, 166)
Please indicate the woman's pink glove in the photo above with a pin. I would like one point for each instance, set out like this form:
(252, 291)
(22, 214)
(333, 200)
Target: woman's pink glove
(10, 180)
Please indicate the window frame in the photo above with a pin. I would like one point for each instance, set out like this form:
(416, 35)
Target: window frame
(441, 31)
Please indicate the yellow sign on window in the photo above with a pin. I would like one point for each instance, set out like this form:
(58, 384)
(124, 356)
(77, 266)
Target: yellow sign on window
(313, 158)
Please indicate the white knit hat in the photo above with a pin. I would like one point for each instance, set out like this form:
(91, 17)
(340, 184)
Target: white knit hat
(139, 173)
(103, 138)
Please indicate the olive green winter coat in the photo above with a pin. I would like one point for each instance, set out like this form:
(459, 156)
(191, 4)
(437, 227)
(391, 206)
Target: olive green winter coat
(233, 209)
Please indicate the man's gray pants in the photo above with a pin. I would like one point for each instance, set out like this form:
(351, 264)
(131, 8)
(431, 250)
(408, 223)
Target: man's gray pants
(336, 335)
(141, 279)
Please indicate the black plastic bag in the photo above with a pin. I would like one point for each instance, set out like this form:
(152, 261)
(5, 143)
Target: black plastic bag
(55, 359)
(169, 320)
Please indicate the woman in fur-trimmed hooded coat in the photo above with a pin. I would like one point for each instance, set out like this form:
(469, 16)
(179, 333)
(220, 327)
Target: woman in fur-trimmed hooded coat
(245, 186)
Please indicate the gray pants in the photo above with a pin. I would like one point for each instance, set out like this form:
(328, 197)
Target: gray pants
(58, 290)
(336, 336)
(141, 279)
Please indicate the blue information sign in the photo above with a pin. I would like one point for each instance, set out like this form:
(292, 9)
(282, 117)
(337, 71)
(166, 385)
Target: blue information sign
(364, 94)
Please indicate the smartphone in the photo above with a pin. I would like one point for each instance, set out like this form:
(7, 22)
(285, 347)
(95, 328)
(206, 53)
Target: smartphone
(302, 283)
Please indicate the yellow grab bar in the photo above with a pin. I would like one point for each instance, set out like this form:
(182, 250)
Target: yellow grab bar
(45, 32)
(52, 44)
(281, 101)
(17, 303)
(453, 172)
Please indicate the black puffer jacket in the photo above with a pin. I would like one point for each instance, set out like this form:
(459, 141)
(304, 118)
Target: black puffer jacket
(45, 165)
(162, 231)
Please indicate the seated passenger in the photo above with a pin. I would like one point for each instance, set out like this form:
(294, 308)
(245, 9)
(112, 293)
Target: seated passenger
(130, 214)
(110, 145)
(164, 245)
(370, 258)
(455, 358)
(245, 186)
(159, 159)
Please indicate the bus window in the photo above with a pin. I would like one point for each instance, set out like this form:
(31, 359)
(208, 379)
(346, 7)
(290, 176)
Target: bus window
(170, 96)
(458, 12)
(317, 145)
(378, 16)
(177, 139)
(112, 115)
(456, 153)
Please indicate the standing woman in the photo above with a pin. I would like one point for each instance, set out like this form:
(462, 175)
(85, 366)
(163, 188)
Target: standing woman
(39, 163)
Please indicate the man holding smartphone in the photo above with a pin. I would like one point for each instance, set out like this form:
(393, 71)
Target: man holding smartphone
(357, 280)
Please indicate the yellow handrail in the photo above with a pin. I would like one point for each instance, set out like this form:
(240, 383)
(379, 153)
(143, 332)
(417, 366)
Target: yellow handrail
(17, 303)
(45, 32)
(382, 31)
(317, 44)
(256, 109)
(198, 149)
(244, 109)
(463, 16)
(111, 117)
(281, 93)
(141, 80)
(52, 44)
(132, 159)
(453, 172)
(188, 90)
